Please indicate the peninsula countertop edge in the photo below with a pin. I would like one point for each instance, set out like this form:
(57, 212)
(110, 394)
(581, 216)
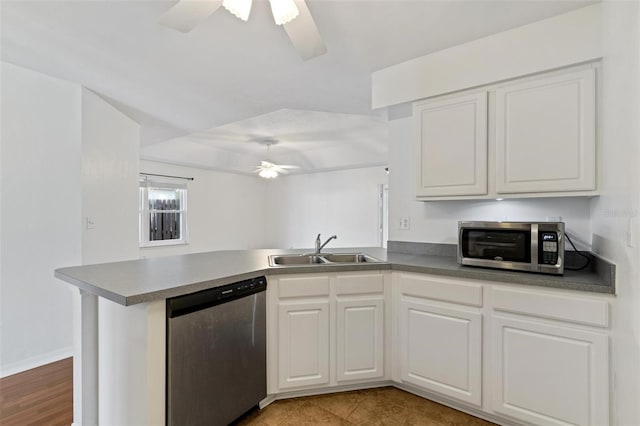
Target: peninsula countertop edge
(137, 281)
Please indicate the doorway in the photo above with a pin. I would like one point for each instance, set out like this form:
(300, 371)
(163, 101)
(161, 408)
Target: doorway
(384, 214)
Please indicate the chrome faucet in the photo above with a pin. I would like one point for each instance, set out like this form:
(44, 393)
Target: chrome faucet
(320, 246)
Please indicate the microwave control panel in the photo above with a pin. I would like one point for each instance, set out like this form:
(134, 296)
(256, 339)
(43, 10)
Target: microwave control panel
(549, 248)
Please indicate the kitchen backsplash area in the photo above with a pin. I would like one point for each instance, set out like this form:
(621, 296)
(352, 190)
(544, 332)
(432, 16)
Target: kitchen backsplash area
(438, 221)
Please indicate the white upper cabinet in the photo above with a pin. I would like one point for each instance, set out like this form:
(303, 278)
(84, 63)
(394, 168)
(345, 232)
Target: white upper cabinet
(545, 134)
(532, 137)
(451, 149)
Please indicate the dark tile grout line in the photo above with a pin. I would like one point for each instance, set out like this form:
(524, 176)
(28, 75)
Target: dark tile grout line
(333, 414)
(340, 417)
(354, 409)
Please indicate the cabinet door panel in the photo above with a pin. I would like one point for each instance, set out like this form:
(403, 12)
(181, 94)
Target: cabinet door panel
(548, 374)
(303, 343)
(451, 146)
(545, 134)
(360, 333)
(442, 350)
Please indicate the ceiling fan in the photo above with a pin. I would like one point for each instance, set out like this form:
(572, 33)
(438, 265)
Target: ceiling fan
(269, 170)
(293, 15)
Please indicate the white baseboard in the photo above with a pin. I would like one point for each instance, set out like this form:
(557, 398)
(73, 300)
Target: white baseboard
(35, 361)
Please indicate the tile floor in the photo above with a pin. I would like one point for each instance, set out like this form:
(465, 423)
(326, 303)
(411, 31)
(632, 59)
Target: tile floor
(380, 406)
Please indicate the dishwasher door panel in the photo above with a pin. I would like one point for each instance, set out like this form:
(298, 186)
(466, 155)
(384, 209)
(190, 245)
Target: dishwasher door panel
(216, 362)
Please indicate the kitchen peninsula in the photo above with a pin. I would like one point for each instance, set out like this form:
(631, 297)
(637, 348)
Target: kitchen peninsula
(121, 344)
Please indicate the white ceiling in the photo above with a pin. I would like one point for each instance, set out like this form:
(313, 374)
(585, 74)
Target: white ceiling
(308, 139)
(202, 96)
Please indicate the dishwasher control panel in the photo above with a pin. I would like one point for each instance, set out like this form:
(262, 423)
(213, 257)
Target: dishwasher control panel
(188, 303)
(242, 288)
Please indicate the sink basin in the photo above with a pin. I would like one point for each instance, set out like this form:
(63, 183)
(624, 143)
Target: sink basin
(296, 259)
(349, 258)
(321, 259)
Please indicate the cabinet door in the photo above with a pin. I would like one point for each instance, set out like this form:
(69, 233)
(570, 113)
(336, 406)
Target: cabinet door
(545, 134)
(451, 146)
(303, 344)
(547, 374)
(441, 350)
(360, 334)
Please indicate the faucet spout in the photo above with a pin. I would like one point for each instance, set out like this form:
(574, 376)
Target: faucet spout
(320, 246)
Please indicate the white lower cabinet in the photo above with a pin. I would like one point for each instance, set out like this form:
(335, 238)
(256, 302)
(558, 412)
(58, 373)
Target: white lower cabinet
(303, 345)
(326, 329)
(549, 374)
(551, 368)
(442, 350)
(441, 343)
(360, 339)
(541, 356)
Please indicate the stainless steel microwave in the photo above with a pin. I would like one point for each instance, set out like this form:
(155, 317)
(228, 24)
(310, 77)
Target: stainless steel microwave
(520, 246)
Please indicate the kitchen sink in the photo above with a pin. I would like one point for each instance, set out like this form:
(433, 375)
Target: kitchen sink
(349, 258)
(296, 259)
(321, 259)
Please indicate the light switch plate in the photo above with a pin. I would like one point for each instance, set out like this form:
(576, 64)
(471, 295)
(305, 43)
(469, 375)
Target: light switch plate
(91, 223)
(405, 223)
(632, 232)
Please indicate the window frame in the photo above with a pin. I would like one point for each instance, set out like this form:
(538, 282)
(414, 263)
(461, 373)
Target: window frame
(144, 212)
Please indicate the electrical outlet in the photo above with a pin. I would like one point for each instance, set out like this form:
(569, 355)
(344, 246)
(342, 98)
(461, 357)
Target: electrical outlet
(405, 223)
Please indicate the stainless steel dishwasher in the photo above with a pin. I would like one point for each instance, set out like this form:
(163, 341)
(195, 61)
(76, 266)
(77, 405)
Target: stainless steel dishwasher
(216, 353)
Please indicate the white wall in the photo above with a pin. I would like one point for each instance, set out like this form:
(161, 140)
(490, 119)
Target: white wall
(110, 173)
(437, 221)
(66, 154)
(233, 212)
(225, 211)
(110, 152)
(345, 203)
(616, 213)
(41, 216)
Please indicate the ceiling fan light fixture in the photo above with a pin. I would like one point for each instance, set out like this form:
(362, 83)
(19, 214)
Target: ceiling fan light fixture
(239, 8)
(284, 11)
(268, 174)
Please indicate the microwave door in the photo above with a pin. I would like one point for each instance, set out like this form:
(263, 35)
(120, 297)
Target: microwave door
(498, 251)
(513, 246)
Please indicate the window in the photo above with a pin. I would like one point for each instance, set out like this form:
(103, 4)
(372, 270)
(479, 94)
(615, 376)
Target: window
(163, 213)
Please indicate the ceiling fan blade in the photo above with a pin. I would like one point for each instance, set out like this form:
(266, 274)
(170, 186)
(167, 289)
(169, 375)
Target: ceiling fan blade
(304, 33)
(186, 14)
(287, 166)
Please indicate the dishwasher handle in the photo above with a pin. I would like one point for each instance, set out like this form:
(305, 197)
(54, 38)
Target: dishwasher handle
(182, 305)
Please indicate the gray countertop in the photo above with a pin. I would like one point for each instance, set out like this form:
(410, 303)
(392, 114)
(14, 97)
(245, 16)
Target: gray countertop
(137, 281)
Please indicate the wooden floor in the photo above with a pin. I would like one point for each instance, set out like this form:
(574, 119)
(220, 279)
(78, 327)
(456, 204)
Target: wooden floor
(42, 396)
